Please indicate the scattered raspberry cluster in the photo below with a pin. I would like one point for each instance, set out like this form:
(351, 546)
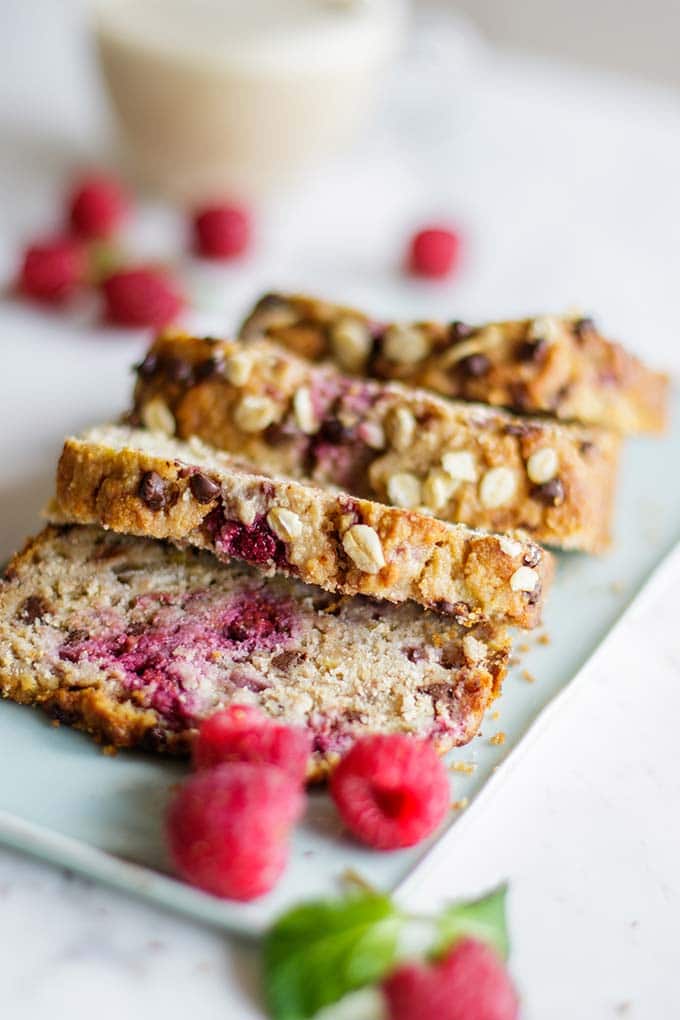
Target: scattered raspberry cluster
(229, 825)
(55, 268)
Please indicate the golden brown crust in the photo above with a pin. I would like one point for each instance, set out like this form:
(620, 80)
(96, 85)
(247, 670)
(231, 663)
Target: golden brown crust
(340, 543)
(404, 670)
(562, 477)
(550, 365)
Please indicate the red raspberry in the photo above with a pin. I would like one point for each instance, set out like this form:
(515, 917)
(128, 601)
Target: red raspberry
(434, 251)
(391, 790)
(242, 733)
(52, 270)
(222, 231)
(469, 983)
(228, 828)
(97, 207)
(141, 297)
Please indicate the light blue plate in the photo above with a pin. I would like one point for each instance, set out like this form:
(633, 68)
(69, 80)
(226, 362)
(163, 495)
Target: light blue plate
(66, 802)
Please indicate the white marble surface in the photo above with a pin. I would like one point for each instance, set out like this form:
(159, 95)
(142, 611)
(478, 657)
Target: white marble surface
(567, 187)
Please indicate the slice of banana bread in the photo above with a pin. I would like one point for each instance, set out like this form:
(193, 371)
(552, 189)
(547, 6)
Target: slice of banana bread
(139, 482)
(136, 641)
(380, 440)
(557, 365)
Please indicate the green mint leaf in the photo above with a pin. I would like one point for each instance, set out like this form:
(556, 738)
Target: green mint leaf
(482, 919)
(318, 952)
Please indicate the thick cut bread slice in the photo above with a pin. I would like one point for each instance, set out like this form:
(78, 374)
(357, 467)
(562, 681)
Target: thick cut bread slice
(136, 641)
(380, 440)
(141, 483)
(555, 365)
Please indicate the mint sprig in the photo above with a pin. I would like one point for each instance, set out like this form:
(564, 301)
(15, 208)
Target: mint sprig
(319, 952)
(482, 919)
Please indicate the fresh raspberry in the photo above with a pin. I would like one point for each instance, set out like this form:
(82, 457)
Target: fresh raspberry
(222, 231)
(228, 828)
(97, 207)
(242, 733)
(52, 270)
(141, 297)
(434, 251)
(469, 983)
(391, 790)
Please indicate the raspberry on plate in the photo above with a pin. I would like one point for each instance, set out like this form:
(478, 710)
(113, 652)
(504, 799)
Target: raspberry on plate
(434, 252)
(97, 207)
(469, 983)
(141, 297)
(391, 790)
(222, 231)
(228, 828)
(242, 733)
(52, 270)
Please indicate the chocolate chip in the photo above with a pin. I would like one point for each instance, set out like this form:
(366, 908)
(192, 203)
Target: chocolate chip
(519, 396)
(284, 660)
(203, 489)
(531, 350)
(208, 368)
(327, 603)
(460, 611)
(475, 366)
(61, 715)
(152, 490)
(444, 693)
(332, 431)
(148, 366)
(551, 493)
(154, 739)
(586, 447)
(584, 326)
(452, 656)
(33, 608)
(178, 370)
(459, 331)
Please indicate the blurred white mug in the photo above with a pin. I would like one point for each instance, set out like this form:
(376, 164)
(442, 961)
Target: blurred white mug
(235, 97)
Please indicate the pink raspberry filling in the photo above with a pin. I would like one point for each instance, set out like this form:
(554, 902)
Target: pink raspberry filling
(182, 642)
(255, 543)
(334, 735)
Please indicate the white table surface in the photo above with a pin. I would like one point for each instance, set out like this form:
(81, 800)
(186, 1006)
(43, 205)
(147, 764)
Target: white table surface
(567, 185)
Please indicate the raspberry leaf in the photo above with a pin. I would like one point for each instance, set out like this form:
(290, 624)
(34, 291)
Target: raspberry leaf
(318, 952)
(482, 919)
